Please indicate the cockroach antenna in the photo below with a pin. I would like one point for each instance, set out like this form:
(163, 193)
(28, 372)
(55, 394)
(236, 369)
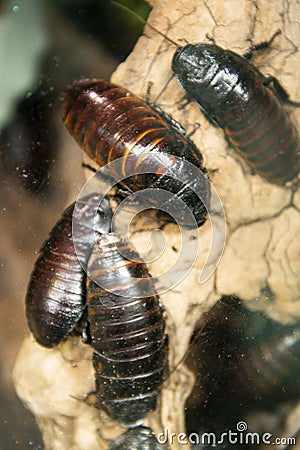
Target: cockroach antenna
(129, 11)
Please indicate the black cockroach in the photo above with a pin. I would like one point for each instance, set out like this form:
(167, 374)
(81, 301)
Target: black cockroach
(244, 362)
(56, 293)
(127, 330)
(139, 438)
(234, 95)
(125, 327)
(109, 122)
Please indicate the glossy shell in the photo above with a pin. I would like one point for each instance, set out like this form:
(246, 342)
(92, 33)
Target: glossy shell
(232, 94)
(109, 122)
(56, 294)
(127, 329)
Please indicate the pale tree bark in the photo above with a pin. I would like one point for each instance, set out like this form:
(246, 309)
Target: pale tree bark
(261, 261)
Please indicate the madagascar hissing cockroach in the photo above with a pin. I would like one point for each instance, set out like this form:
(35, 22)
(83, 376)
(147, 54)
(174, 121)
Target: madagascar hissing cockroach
(139, 438)
(244, 362)
(234, 95)
(57, 289)
(126, 327)
(109, 122)
(127, 331)
(271, 368)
